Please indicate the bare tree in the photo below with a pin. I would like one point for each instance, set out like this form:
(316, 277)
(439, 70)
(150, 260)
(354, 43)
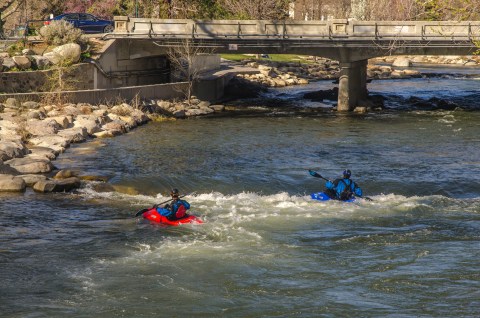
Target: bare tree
(258, 9)
(7, 9)
(183, 57)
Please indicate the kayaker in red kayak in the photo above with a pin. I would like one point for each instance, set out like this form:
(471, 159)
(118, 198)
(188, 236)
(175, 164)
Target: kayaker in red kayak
(177, 209)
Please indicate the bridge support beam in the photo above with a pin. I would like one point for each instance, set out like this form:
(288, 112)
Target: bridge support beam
(352, 86)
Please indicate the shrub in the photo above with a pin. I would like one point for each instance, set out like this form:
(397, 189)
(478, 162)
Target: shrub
(61, 32)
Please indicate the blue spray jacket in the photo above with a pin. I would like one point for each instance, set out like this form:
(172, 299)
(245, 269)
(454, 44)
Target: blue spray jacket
(344, 188)
(170, 210)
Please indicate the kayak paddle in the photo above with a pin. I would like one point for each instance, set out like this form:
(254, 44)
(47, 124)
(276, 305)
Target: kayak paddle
(156, 205)
(317, 175)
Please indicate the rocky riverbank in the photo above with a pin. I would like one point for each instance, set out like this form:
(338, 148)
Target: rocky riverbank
(33, 135)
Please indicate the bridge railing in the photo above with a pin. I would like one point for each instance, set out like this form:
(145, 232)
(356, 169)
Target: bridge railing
(291, 29)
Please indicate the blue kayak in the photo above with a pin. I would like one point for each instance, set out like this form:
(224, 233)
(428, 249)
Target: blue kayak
(321, 196)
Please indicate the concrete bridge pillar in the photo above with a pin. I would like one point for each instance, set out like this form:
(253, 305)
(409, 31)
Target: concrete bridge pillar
(352, 86)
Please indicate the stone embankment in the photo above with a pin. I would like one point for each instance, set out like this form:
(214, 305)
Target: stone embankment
(33, 135)
(281, 74)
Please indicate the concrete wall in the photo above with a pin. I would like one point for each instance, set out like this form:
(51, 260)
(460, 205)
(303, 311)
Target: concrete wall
(158, 91)
(127, 63)
(81, 78)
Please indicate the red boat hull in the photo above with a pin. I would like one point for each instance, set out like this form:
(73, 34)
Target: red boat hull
(154, 216)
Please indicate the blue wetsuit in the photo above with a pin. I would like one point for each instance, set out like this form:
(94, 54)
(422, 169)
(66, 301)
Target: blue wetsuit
(343, 189)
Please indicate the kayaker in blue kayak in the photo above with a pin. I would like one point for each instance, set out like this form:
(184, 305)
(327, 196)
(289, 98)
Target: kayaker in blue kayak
(343, 188)
(177, 209)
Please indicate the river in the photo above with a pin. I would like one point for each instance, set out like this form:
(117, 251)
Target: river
(266, 249)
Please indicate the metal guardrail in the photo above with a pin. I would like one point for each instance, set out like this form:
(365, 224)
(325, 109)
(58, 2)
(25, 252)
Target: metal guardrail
(296, 30)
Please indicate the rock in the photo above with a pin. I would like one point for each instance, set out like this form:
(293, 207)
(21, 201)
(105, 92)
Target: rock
(31, 179)
(91, 125)
(329, 94)
(30, 165)
(42, 127)
(85, 109)
(64, 174)
(55, 142)
(22, 62)
(122, 110)
(11, 149)
(179, 114)
(66, 54)
(402, 62)
(164, 104)
(9, 183)
(12, 103)
(72, 110)
(30, 105)
(116, 127)
(6, 169)
(218, 108)
(103, 187)
(63, 121)
(8, 63)
(74, 135)
(103, 134)
(42, 153)
(27, 52)
(139, 117)
(63, 185)
(40, 62)
(93, 178)
(360, 109)
(204, 104)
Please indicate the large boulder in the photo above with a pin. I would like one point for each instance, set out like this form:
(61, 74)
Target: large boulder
(12, 103)
(22, 62)
(402, 62)
(11, 149)
(42, 153)
(40, 62)
(8, 63)
(89, 123)
(74, 135)
(55, 142)
(31, 179)
(65, 54)
(6, 169)
(63, 185)
(116, 127)
(30, 105)
(9, 183)
(30, 165)
(42, 127)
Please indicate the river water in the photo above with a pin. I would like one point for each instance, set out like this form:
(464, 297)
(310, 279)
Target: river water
(266, 249)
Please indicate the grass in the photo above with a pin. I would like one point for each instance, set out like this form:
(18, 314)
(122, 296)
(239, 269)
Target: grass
(273, 57)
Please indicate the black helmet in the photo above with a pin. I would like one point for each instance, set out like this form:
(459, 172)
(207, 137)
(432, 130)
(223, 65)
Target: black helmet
(174, 193)
(347, 173)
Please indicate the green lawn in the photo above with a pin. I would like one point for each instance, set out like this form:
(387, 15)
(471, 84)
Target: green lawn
(273, 57)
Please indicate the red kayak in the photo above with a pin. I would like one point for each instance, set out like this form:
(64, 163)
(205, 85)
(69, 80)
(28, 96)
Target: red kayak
(154, 216)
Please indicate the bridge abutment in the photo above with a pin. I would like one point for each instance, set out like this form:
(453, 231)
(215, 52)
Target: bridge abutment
(352, 85)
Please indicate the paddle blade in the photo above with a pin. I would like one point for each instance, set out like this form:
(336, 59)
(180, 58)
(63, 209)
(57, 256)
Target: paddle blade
(141, 212)
(314, 174)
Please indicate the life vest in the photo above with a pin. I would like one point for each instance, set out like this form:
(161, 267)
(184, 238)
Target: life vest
(347, 193)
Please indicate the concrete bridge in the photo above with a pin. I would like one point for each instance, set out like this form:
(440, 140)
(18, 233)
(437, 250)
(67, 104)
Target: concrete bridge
(351, 43)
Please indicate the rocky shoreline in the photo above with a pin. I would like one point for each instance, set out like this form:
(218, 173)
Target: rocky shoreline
(33, 135)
